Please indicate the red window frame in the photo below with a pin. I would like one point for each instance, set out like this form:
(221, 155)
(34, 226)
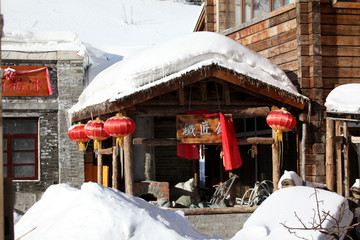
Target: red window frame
(9, 150)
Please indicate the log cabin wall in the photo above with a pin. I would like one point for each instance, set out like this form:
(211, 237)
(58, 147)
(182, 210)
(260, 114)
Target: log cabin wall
(340, 30)
(291, 38)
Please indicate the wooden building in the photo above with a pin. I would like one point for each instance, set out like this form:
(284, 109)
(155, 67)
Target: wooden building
(317, 44)
(223, 76)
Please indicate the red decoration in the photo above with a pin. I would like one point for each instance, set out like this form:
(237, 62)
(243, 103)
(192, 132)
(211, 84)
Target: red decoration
(119, 126)
(281, 121)
(77, 133)
(26, 81)
(95, 130)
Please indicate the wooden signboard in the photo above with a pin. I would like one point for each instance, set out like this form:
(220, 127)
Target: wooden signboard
(194, 129)
(26, 81)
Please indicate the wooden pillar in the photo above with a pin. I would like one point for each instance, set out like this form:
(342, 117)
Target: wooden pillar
(128, 162)
(115, 166)
(346, 159)
(275, 161)
(196, 172)
(338, 142)
(99, 165)
(330, 154)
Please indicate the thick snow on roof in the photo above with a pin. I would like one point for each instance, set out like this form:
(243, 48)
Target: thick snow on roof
(105, 31)
(96, 212)
(178, 56)
(344, 99)
(279, 209)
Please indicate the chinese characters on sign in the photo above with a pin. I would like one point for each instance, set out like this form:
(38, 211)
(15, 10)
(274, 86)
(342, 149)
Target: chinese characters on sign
(26, 81)
(193, 129)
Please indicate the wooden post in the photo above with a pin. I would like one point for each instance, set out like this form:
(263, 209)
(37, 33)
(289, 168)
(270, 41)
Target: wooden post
(128, 162)
(115, 166)
(196, 172)
(99, 165)
(346, 159)
(330, 154)
(275, 161)
(339, 178)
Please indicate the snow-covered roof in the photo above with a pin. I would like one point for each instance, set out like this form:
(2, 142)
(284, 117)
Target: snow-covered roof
(174, 58)
(344, 99)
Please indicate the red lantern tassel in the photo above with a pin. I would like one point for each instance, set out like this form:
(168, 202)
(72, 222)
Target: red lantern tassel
(96, 144)
(279, 135)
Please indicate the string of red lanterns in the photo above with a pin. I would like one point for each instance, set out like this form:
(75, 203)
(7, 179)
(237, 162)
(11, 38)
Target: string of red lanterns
(118, 126)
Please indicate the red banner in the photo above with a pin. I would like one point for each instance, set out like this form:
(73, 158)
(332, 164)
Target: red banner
(26, 81)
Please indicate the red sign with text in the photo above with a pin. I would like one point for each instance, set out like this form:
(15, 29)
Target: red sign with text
(26, 81)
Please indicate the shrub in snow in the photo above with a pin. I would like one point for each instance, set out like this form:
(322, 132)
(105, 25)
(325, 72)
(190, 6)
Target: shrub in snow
(97, 212)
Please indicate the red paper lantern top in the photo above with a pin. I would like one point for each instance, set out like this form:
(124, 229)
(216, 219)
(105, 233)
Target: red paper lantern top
(119, 126)
(77, 133)
(281, 120)
(95, 130)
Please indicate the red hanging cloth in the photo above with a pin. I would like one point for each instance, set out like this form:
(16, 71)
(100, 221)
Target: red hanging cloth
(232, 157)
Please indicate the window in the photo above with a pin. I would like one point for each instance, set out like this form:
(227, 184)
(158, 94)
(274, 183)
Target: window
(20, 148)
(241, 11)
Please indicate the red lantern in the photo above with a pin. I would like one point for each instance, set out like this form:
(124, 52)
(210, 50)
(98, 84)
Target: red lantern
(95, 130)
(77, 133)
(119, 126)
(281, 121)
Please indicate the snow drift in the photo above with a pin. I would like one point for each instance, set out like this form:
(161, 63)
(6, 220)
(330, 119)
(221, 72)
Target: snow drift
(97, 212)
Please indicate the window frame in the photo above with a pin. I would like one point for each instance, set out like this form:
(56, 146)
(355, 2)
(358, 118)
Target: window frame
(242, 10)
(9, 150)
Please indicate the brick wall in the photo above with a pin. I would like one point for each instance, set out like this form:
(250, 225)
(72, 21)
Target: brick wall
(59, 158)
(223, 225)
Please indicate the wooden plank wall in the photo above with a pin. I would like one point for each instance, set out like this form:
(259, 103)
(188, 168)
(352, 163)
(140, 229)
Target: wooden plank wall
(274, 38)
(340, 30)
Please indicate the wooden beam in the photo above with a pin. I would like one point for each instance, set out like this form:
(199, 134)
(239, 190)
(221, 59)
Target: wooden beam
(330, 154)
(226, 94)
(275, 161)
(105, 151)
(339, 179)
(163, 111)
(128, 165)
(346, 159)
(173, 141)
(203, 92)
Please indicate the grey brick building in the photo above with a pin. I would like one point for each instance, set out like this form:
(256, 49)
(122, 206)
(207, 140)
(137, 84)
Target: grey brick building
(54, 158)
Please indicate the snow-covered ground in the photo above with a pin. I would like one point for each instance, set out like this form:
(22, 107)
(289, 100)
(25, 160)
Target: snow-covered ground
(96, 212)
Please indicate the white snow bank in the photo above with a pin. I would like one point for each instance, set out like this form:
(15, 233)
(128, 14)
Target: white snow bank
(344, 99)
(96, 212)
(41, 41)
(281, 207)
(356, 183)
(172, 58)
(298, 181)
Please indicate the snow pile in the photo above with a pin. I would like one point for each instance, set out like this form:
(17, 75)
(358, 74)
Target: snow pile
(175, 57)
(96, 212)
(344, 99)
(279, 209)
